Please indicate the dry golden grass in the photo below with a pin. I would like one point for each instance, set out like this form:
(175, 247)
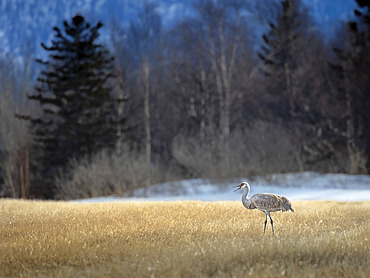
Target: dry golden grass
(182, 239)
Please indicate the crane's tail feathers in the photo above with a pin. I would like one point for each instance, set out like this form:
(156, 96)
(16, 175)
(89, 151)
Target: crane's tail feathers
(291, 209)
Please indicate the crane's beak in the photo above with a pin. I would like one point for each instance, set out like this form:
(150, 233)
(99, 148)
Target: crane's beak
(238, 187)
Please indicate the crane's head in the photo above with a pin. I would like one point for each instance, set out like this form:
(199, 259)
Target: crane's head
(243, 185)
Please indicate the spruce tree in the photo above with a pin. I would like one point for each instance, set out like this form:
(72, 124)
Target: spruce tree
(78, 110)
(287, 53)
(360, 60)
(280, 53)
(353, 71)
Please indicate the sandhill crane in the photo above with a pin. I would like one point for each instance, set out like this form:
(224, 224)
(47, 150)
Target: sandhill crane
(265, 202)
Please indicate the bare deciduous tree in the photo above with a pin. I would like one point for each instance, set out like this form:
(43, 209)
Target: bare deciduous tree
(15, 83)
(144, 38)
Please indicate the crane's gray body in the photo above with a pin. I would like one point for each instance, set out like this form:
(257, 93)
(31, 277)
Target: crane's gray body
(265, 202)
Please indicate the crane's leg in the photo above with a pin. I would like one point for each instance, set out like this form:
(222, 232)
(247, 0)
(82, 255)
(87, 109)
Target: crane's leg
(272, 224)
(264, 229)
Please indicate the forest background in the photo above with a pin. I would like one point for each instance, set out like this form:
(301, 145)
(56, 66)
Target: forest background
(98, 115)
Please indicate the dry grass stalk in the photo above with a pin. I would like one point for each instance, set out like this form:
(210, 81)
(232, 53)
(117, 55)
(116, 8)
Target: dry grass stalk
(182, 239)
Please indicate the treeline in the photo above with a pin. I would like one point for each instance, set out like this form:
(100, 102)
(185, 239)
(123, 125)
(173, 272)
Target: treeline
(199, 99)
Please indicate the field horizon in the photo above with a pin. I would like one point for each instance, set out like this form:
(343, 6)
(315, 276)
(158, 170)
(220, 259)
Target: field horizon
(182, 239)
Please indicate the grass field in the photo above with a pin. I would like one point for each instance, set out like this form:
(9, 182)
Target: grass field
(182, 239)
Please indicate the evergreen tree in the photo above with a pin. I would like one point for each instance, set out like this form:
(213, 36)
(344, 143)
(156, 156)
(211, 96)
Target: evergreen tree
(281, 54)
(74, 92)
(292, 73)
(353, 83)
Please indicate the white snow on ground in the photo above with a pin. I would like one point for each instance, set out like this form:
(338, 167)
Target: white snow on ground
(294, 186)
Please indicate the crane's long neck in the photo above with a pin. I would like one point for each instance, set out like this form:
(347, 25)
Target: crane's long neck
(245, 199)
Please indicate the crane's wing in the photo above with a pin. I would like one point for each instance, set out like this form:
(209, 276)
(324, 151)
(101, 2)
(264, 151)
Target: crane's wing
(270, 201)
(249, 205)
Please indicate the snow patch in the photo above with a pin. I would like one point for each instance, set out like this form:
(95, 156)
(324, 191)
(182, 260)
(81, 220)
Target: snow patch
(294, 186)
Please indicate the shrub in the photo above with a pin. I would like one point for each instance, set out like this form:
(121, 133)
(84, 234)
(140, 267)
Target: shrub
(261, 149)
(105, 173)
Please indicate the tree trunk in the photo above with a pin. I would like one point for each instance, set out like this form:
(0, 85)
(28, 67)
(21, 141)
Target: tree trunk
(357, 159)
(23, 184)
(27, 169)
(202, 127)
(10, 181)
(290, 92)
(121, 106)
(225, 128)
(223, 123)
(148, 142)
